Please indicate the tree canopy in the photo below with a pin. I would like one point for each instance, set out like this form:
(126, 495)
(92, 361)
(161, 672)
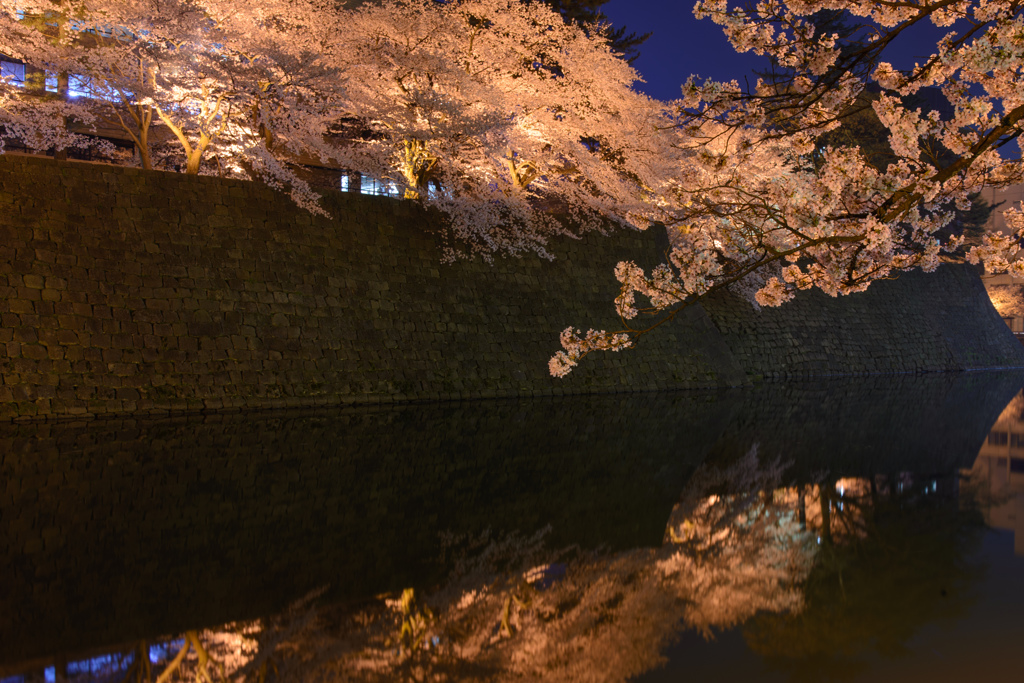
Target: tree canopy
(769, 199)
(493, 111)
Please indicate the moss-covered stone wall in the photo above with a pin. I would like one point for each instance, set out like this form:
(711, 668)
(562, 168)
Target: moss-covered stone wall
(124, 291)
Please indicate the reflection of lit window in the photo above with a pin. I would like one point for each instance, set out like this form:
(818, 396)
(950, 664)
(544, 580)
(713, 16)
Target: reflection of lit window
(51, 81)
(105, 667)
(998, 438)
(15, 72)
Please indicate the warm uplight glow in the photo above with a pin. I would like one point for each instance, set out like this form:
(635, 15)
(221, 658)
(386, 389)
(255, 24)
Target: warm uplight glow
(1008, 300)
(996, 480)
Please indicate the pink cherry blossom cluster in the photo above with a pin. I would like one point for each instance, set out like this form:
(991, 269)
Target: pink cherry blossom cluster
(757, 204)
(576, 346)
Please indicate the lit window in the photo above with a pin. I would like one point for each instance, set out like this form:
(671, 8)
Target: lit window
(384, 188)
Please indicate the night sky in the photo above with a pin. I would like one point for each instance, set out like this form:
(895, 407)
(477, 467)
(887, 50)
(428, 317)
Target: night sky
(681, 45)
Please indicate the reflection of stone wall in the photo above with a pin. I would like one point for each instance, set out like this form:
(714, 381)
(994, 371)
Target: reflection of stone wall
(925, 424)
(127, 291)
(115, 526)
(117, 529)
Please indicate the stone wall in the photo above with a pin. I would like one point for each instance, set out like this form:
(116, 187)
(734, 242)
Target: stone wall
(124, 291)
(922, 322)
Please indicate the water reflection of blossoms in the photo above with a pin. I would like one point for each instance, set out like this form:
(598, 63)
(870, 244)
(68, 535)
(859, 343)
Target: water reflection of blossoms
(737, 544)
(739, 549)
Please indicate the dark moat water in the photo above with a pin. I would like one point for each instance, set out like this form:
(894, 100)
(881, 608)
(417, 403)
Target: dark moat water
(858, 529)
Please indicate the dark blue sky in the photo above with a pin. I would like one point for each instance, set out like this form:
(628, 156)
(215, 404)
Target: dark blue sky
(681, 45)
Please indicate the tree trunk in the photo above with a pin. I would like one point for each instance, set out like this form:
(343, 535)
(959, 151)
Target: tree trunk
(62, 91)
(194, 161)
(195, 156)
(145, 118)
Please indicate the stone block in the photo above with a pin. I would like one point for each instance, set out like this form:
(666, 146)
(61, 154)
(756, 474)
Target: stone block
(33, 281)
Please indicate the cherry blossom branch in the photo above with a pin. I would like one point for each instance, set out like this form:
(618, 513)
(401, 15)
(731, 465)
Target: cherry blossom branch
(669, 298)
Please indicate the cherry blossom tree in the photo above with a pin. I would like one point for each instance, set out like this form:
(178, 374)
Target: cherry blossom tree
(27, 112)
(98, 46)
(244, 85)
(515, 124)
(517, 120)
(760, 205)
